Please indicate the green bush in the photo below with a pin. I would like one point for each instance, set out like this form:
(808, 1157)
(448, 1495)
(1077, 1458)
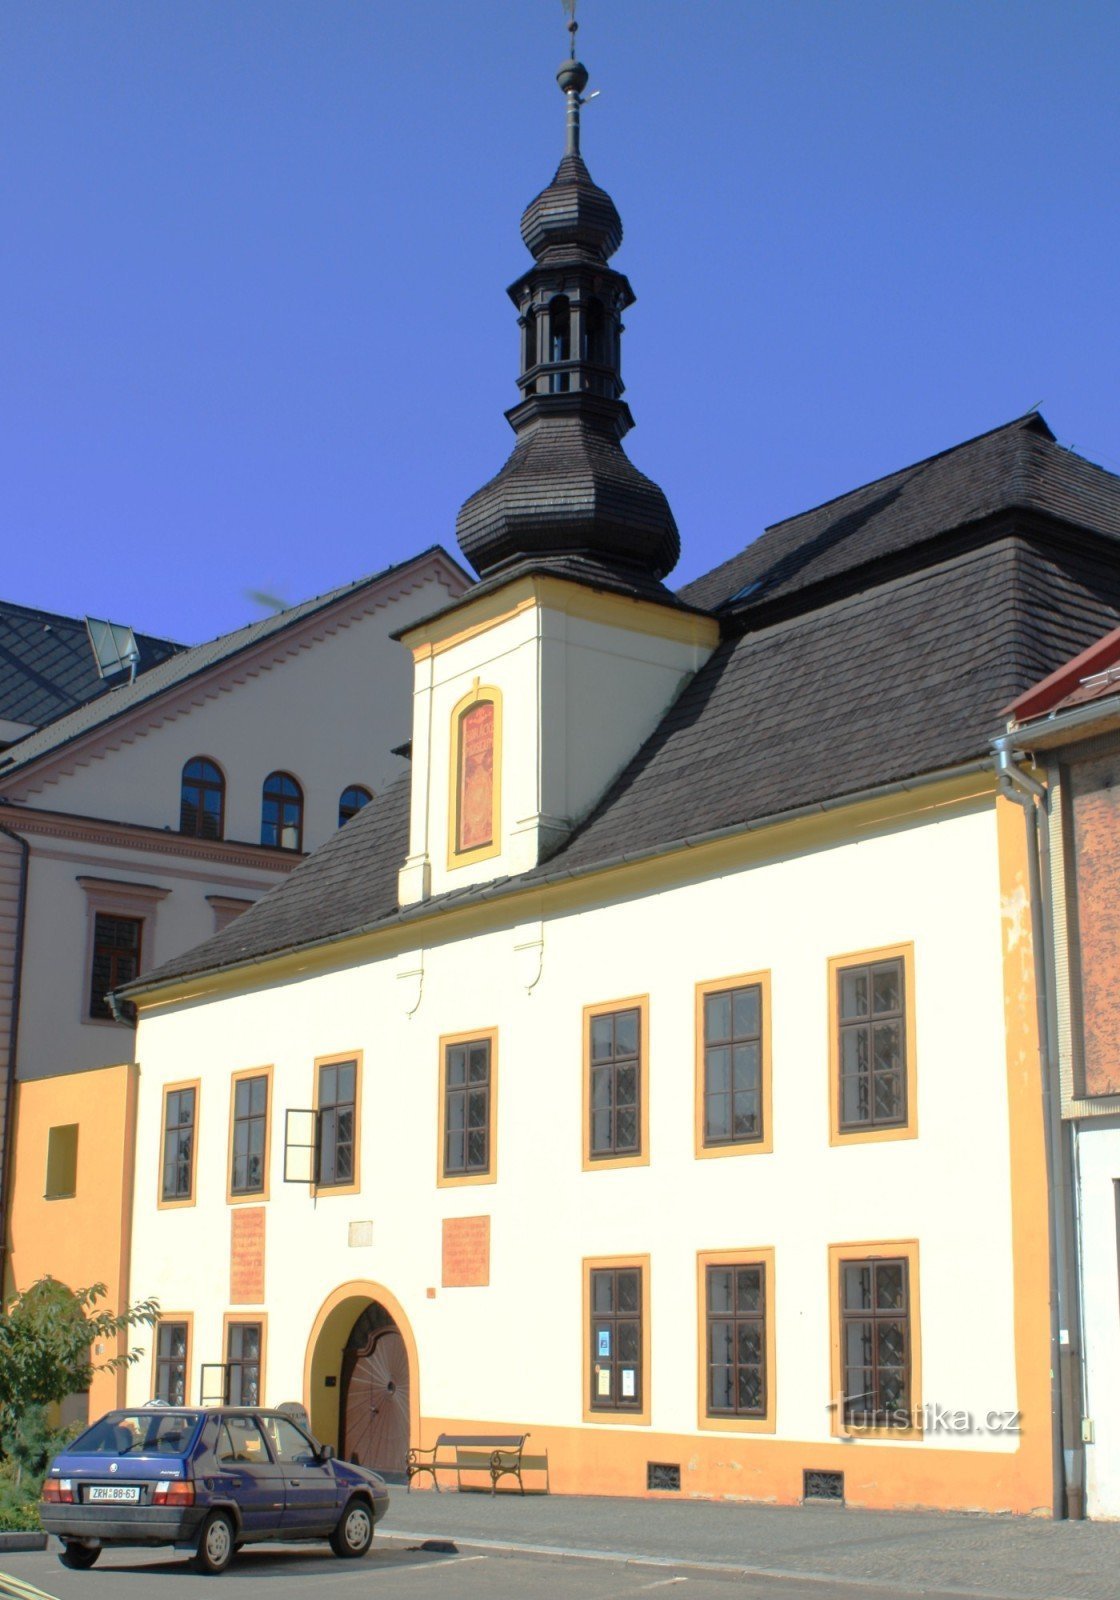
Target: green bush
(19, 1501)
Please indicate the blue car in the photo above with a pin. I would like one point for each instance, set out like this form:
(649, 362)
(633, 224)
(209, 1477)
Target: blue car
(208, 1480)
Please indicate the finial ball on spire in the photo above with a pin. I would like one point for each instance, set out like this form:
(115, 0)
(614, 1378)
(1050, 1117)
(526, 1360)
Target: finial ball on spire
(572, 75)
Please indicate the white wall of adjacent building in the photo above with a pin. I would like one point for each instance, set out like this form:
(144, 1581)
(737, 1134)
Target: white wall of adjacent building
(514, 1350)
(1098, 1144)
(330, 714)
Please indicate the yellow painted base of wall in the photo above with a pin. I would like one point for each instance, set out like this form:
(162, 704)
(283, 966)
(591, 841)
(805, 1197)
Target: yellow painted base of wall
(910, 1477)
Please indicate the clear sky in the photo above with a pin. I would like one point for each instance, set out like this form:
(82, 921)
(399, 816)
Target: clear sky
(253, 254)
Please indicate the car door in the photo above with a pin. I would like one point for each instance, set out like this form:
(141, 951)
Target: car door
(310, 1487)
(248, 1474)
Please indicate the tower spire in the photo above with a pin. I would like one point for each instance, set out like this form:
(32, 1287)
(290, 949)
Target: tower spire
(568, 488)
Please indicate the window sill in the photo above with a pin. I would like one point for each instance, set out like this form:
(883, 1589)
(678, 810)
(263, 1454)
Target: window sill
(609, 1163)
(462, 1180)
(842, 1136)
(738, 1147)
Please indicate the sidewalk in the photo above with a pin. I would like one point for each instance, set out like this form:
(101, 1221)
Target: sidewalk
(1010, 1557)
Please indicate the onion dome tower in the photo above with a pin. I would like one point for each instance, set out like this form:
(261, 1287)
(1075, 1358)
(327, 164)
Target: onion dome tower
(568, 490)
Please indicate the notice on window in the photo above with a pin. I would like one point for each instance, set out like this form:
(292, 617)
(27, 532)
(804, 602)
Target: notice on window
(466, 1252)
(476, 776)
(629, 1384)
(603, 1382)
(604, 1341)
(246, 1256)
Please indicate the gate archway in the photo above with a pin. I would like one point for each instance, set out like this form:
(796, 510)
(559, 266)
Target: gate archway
(361, 1377)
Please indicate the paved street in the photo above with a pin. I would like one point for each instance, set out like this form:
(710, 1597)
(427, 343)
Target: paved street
(557, 1547)
(398, 1571)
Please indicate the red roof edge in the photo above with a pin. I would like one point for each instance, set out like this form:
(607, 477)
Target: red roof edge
(1051, 691)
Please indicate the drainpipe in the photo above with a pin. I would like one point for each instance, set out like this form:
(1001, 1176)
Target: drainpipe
(1065, 1320)
(13, 1040)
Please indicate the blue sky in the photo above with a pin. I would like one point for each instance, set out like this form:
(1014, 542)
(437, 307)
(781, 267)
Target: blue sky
(254, 331)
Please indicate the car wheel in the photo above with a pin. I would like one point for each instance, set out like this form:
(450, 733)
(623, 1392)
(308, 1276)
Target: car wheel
(216, 1544)
(354, 1533)
(79, 1556)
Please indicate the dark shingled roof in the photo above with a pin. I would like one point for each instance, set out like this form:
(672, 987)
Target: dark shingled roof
(1017, 467)
(47, 665)
(901, 680)
(187, 664)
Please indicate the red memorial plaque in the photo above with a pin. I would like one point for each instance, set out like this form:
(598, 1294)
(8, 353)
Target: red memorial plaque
(476, 776)
(466, 1252)
(246, 1263)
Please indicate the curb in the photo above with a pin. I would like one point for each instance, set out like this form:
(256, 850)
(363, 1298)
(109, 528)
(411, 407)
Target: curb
(723, 1569)
(22, 1541)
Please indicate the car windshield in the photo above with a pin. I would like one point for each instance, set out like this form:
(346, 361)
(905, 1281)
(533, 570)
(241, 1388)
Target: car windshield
(138, 1433)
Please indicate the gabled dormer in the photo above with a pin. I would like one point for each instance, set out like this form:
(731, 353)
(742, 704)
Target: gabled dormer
(534, 692)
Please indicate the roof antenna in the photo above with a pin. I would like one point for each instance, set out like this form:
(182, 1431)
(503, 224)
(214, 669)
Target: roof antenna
(572, 78)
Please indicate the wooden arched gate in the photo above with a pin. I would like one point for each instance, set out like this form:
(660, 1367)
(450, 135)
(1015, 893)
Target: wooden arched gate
(374, 1402)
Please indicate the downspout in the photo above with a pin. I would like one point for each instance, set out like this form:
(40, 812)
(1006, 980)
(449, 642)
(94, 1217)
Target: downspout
(1065, 1321)
(13, 1040)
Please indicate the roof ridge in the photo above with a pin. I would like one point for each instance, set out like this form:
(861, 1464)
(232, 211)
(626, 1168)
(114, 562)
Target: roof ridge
(1032, 421)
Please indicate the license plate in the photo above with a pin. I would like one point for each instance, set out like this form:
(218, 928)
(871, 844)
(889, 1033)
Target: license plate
(113, 1491)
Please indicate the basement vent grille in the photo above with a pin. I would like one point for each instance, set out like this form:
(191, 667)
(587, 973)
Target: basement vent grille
(824, 1486)
(662, 1475)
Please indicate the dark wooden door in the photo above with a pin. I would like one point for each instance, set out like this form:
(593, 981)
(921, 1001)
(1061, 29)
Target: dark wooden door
(375, 1404)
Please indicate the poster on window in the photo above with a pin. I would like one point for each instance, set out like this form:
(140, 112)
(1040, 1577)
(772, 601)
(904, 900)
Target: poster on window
(629, 1384)
(603, 1379)
(476, 776)
(604, 1342)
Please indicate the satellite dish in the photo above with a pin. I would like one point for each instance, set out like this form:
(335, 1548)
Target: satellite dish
(114, 647)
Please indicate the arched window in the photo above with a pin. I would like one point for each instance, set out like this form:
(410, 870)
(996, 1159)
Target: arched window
(351, 801)
(282, 812)
(202, 799)
(595, 333)
(560, 332)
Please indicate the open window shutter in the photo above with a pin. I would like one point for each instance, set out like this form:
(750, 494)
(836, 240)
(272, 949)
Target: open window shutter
(214, 1384)
(301, 1144)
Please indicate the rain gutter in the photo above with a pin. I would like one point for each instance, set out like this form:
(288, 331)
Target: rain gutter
(1065, 1319)
(509, 888)
(6, 1145)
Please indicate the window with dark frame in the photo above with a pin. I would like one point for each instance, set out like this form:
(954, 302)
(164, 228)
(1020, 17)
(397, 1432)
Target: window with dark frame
(178, 1144)
(875, 1342)
(466, 1133)
(733, 1065)
(171, 1363)
(351, 801)
(282, 812)
(617, 1380)
(736, 1317)
(243, 1364)
(202, 799)
(338, 1085)
(871, 1002)
(116, 961)
(615, 1049)
(250, 1127)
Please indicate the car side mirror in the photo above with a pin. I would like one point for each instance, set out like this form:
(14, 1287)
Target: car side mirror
(326, 1452)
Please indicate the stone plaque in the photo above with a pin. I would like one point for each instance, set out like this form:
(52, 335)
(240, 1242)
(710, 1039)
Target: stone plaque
(476, 776)
(466, 1252)
(246, 1256)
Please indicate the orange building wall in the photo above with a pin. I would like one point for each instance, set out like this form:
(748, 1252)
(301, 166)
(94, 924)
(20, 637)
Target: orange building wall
(83, 1240)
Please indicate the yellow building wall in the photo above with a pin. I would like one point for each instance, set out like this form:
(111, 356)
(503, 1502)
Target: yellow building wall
(82, 1239)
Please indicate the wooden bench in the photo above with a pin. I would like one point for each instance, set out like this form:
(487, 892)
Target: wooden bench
(501, 1455)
